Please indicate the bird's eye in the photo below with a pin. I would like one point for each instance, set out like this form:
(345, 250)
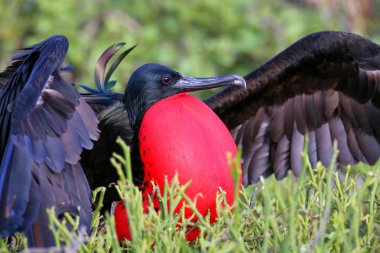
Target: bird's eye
(166, 78)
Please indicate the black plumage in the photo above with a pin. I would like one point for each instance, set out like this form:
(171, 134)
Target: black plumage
(44, 126)
(326, 85)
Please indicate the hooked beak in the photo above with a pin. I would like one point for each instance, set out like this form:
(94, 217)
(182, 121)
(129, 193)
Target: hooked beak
(187, 83)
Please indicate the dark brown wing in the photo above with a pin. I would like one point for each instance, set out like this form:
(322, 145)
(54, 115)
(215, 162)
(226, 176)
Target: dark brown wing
(326, 85)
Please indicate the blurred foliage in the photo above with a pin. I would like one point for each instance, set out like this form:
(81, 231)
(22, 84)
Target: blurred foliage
(200, 38)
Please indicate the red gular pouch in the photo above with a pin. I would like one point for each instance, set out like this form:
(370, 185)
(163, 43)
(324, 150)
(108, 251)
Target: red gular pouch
(181, 135)
(119, 211)
(121, 221)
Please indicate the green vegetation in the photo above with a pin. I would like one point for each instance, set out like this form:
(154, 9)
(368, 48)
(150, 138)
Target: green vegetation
(314, 213)
(318, 212)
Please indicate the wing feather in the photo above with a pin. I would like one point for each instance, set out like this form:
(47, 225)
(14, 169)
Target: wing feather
(326, 85)
(44, 127)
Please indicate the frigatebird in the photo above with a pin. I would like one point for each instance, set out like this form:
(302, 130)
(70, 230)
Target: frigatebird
(325, 86)
(44, 125)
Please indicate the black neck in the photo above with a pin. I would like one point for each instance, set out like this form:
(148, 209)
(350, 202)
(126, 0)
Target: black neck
(136, 110)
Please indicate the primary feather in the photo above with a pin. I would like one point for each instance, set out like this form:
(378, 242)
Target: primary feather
(44, 126)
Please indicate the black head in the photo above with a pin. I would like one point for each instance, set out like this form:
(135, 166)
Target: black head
(153, 82)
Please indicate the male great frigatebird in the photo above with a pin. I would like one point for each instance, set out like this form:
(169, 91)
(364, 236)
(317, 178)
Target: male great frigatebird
(44, 125)
(325, 85)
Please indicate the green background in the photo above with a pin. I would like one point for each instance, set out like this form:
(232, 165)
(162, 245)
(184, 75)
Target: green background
(199, 38)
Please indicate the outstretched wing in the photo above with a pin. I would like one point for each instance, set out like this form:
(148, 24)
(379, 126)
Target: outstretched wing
(325, 85)
(44, 127)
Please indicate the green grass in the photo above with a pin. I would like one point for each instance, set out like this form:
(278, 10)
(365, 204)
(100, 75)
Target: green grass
(317, 212)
